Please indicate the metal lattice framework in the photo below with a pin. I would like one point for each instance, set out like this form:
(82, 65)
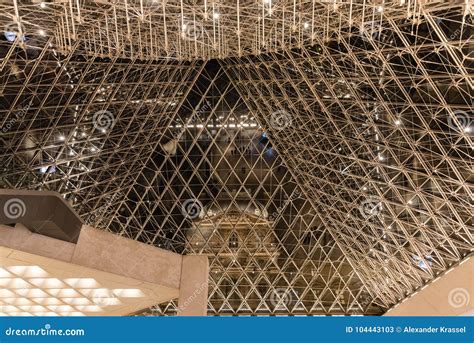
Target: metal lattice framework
(323, 161)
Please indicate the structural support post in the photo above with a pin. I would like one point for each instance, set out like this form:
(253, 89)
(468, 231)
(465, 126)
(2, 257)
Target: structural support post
(193, 290)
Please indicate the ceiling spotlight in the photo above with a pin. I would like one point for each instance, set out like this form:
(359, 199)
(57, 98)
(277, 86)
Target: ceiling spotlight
(467, 129)
(62, 138)
(398, 122)
(306, 25)
(42, 5)
(380, 8)
(41, 32)
(216, 15)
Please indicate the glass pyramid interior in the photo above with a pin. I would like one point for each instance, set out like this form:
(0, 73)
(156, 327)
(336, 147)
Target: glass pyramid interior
(318, 152)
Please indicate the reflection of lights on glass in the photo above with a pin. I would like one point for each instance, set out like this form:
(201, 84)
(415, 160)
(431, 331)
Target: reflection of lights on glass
(423, 262)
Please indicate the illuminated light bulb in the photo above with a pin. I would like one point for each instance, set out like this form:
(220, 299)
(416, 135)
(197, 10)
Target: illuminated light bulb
(216, 15)
(398, 122)
(380, 8)
(42, 5)
(306, 25)
(41, 32)
(62, 138)
(467, 129)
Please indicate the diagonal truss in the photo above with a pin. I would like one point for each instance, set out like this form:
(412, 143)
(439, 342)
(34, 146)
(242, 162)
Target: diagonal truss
(381, 140)
(222, 191)
(200, 29)
(323, 162)
(80, 125)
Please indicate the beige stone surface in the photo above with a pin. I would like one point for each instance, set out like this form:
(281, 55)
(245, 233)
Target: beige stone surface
(23, 239)
(193, 291)
(108, 252)
(114, 262)
(44, 286)
(452, 294)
